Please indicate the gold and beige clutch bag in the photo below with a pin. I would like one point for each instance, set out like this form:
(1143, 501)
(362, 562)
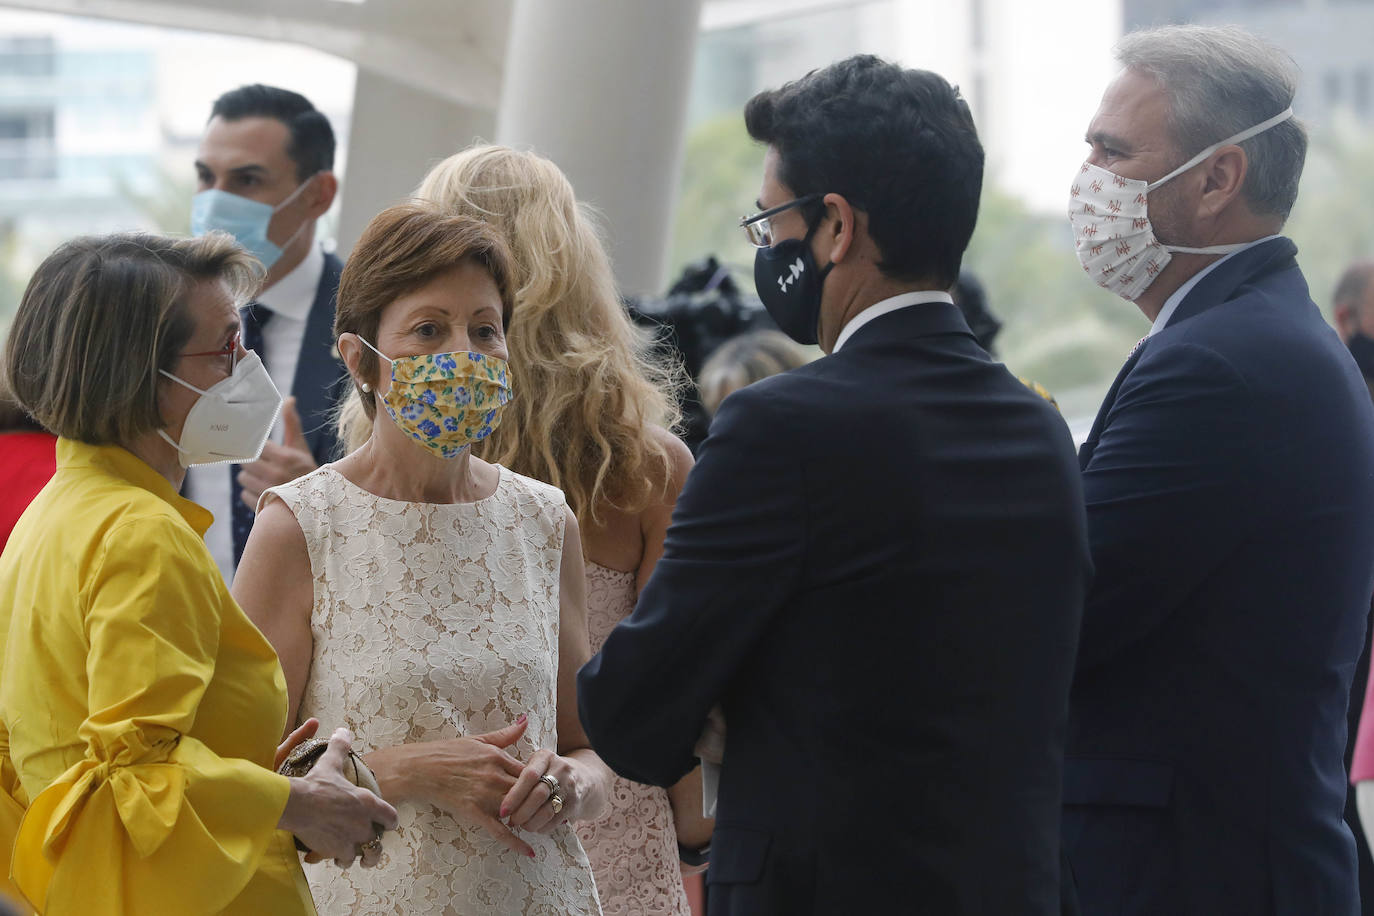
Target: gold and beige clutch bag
(305, 755)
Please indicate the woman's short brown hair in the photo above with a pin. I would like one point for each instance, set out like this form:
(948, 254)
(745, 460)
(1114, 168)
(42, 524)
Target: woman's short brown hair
(744, 360)
(100, 317)
(402, 249)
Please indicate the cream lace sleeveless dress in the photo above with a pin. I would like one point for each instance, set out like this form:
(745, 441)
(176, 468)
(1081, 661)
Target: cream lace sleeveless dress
(435, 621)
(633, 845)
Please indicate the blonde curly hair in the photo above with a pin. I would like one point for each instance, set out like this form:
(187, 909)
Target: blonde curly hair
(588, 394)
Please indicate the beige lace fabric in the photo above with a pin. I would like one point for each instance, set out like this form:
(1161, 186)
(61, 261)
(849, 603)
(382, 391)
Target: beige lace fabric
(435, 621)
(633, 845)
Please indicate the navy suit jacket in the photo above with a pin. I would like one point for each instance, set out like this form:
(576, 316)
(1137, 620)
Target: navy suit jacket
(1229, 480)
(877, 567)
(321, 379)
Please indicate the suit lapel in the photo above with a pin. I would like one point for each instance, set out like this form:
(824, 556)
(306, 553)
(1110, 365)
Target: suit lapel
(1213, 289)
(319, 368)
(1085, 451)
(1245, 267)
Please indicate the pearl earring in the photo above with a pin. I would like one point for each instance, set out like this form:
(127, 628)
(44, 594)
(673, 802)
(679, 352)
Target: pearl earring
(366, 387)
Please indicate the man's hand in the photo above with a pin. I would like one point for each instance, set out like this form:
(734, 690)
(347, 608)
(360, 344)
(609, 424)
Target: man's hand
(1364, 804)
(279, 464)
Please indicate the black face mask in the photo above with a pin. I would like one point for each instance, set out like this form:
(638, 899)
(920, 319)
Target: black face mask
(789, 284)
(1361, 347)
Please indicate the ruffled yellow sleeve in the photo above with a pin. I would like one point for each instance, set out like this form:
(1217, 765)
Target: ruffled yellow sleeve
(151, 820)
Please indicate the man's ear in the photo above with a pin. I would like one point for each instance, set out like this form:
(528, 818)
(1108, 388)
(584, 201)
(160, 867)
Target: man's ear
(837, 228)
(320, 196)
(1223, 178)
(1347, 322)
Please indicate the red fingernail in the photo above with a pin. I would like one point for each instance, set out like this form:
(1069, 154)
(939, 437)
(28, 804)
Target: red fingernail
(521, 720)
(531, 853)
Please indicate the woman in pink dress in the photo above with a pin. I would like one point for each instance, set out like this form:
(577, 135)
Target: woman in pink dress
(592, 417)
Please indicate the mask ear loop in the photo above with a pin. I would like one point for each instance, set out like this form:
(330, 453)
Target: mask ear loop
(367, 387)
(811, 229)
(185, 384)
(1236, 138)
(374, 349)
(1241, 137)
(284, 204)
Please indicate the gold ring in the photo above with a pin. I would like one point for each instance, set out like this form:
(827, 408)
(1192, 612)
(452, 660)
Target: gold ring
(372, 845)
(555, 792)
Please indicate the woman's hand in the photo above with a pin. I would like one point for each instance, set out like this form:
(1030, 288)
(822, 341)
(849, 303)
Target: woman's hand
(331, 815)
(581, 784)
(306, 731)
(582, 777)
(467, 777)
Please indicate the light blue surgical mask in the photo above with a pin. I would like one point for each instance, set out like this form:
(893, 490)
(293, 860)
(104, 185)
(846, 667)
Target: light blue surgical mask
(246, 220)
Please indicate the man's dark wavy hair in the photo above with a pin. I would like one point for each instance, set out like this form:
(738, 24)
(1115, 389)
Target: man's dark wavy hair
(311, 146)
(898, 144)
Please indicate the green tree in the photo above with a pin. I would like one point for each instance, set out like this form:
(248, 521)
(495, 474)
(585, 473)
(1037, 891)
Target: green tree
(11, 286)
(720, 180)
(167, 206)
(1333, 220)
(1060, 328)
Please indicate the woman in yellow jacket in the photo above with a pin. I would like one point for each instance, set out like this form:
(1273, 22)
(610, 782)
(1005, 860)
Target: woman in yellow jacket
(139, 708)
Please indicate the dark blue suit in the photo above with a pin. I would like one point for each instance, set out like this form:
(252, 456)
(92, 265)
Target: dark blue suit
(877, 567)
(1229, 480)
(321, 379)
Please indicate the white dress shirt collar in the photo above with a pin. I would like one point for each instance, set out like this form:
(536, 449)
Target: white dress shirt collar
(1171, 304)
(887, 306)
(294, 294)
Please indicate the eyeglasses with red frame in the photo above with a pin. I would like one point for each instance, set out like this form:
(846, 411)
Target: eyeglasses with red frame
(227, 352)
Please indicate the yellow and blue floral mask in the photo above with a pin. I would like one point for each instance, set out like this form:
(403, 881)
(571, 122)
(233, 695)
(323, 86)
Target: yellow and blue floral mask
(446, 401)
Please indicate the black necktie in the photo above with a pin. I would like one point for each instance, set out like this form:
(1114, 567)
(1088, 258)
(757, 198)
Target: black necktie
(255, 317)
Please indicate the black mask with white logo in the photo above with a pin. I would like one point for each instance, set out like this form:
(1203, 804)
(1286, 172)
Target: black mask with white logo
(789, 284)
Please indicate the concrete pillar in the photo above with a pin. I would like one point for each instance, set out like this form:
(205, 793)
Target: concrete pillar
(600, 87)
(397, 133)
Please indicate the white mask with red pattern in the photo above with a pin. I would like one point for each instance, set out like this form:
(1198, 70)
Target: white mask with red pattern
(1111, 222)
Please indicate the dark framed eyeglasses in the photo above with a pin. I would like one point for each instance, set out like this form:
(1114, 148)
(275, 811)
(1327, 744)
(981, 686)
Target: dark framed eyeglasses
(228, 352)
(758, 229)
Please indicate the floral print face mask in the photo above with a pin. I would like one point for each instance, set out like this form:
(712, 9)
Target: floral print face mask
(446, 401)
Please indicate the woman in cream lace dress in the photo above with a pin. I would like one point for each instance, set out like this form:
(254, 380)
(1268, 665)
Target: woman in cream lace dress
(434, 602)
(592, 418)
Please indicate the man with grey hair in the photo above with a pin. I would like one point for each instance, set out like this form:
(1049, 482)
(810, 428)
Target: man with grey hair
(1204, 770)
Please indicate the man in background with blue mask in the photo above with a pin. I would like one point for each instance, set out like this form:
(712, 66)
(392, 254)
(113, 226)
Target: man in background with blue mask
(265, 175)
(1230, 497)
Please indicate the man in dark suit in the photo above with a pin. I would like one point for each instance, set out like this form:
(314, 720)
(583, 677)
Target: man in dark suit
(1230, 508)
(265, 175)
(876, 567)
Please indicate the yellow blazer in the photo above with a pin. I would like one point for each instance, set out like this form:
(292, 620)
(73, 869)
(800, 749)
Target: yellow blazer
(139, 708)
